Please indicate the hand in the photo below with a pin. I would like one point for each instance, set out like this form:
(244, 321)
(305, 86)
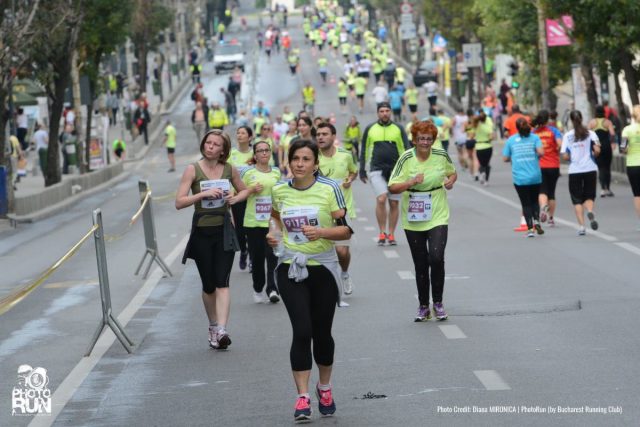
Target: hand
(363, 176)
(271, 241)
(231, 199)
(346, 183)
(257, 188)
(212, 193)
(448, 183)
(418, 179)
(311, 232)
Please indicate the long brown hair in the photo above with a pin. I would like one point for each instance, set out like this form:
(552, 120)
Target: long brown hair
(579, 130)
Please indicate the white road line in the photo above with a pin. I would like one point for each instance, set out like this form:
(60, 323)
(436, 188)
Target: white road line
(358, 210)
(391, 254)
(629, 247)
(456, 277)
(369, 228)
(406, 275)
(70, 384)
(452, 332)
(362, 219)
(491, 380)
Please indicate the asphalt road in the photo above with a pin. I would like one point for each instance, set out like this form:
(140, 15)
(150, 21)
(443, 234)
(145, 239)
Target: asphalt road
(539, 324)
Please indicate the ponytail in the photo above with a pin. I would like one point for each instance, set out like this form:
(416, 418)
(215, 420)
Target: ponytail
(579, 130)
(524, 130)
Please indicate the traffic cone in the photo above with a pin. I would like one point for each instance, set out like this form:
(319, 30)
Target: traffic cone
(522, 226)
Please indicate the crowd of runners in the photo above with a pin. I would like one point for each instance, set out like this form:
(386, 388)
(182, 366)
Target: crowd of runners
(282, 193)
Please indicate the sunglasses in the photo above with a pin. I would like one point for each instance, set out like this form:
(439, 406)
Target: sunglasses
(263, 151)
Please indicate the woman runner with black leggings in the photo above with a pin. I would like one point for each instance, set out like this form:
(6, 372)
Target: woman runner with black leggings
(311, 211)
(606, 134)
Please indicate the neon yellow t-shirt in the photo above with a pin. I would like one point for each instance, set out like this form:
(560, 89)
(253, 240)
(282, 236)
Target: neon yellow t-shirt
(446, 128)
(338, 167)
(483, 134)
(259, 204)
(360, 85)
(435, 169)
(342, 89)
(312, 206)
(239, 159)
(632, 133)
(170, 132)
(412, 96)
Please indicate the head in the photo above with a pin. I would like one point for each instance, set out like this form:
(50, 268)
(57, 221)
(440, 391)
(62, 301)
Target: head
(318, 120)
(303, 157)
(353, 121)
(215, 105)
(515, 108)
(302, 114)
(541, 119)
(266, 130)
(553, 115)
(286, 109)
(523, 127)
(244, 134)
(260, 104)
(261, 152)
(293, 126)
(384, 112)
(278, 119)
(304, 127)
(580, 131)
(599, 112)
(325, 135)
(423, 134)
(216, 145)
(636, 113)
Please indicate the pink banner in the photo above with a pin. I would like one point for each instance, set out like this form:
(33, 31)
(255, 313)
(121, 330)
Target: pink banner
(556, 33)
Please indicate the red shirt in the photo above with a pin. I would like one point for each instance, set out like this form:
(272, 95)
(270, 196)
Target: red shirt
(551, 156)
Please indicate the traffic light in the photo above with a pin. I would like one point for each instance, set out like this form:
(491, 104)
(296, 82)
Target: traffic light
(515, 84)
(514, 67)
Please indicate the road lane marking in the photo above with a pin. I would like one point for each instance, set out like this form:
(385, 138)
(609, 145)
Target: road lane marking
(491, 380)
(406, 275)
(391, 254)
(452, 332)
(79, 373)
(362, 219)
(629, 247)
(369, 228)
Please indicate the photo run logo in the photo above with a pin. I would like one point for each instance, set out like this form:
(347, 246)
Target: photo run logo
(31, 396)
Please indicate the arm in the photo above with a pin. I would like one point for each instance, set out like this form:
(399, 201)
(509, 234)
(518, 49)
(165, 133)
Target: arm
(183, 199)
(506, 159)
(239, 185)
(401, 187)
(450, 180)
(363, 155)
(336, 232)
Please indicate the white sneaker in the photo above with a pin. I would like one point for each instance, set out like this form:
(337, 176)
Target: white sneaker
(274, 297)
(347, 284)
(258, 297)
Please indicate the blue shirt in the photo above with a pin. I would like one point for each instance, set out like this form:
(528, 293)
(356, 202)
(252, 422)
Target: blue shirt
(395, 99)
(525, 168)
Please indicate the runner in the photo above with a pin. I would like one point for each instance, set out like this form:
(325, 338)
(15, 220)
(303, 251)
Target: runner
(308, 98)
(170, 143)
(352, 135)
(458, 126)
(360, 89)
(607, 136)
(211, 244)
(630, 145)
(484, 134)
(322, 67)
(259, 180)
(337, 164)
(382, 144)
(342, 94)
(411, 96)
(307, 274)
(470, 144)
(283, 149)
(421, 175)
(241, 158)
(580, 146)
(523, 151)
(396, 100)
(445, 136)
(551, 139)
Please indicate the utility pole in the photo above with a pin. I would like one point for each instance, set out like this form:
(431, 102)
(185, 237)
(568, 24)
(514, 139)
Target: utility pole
(544, 63)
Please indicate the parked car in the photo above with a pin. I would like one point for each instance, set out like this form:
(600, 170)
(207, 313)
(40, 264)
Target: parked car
(227, 56)
(425, 72)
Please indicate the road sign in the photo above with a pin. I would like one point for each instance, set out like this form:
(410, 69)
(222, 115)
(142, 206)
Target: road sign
(406, 8)
(406, 18)
(407, 32)
(472, 54)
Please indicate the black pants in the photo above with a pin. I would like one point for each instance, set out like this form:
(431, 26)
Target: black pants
(528, 195)
(604, 165)
(484, 158)
(433, 100)
(427, 250)
(311, 305)
(22, 137)
(238, 219)
(259, 252)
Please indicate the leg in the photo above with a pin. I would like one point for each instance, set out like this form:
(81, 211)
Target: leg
(223, 304)
(324, 294)
(381, 212)
(238, 211)
(418, 246)
(209, 301)
(437, 242)
(394, 212)
(524, 202)
(256, 240)
(344, 257)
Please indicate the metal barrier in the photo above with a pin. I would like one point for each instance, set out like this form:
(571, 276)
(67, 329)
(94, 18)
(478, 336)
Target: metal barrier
(149, 231)
(105, 294)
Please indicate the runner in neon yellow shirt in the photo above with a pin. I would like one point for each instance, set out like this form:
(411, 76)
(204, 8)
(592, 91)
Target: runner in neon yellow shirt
(411, 95)
(170, 143)
(422, 175)
(631, 147)
(360, 84)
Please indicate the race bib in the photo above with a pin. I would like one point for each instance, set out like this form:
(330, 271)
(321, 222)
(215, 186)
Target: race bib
(419, 207)
(297, 217)
(263, 208)
(222, 184)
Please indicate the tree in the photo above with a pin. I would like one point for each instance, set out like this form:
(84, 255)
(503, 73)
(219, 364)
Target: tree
(148, 19)
(457, 21)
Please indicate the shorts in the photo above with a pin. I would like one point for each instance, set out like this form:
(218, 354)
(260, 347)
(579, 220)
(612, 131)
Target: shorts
(633, 173)
(582, 187)
(352, 88)
(549, 179)
(413, 108)
(470, 144)
(360, 96)
(171, 150)
(380, 186)
(460, 143)
(343, 100)
(213, 262)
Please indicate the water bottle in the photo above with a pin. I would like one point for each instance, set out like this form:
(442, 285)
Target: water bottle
(277, 234)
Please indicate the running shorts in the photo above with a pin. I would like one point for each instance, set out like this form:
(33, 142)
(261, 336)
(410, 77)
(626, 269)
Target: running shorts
(549, 180)
(343, 100)
(380, 186)
(360, 96)
(470, 144)
(582, 187)
(213, 262)
(413, 108)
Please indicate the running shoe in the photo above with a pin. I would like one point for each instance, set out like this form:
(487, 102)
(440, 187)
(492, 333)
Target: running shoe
(610, 193)
(392, 240)
(539, 229)
(303, 409)
(326, 405)
(581, 231)
(593, 223)
(258, 297)
(423, 314)
(438, 310)
(347, 284)
(213, 337)
(531, 233)
(274, 297)
(223, 339)
(603, 193)
(551, 222)
(382, 239)
(544, 213)
(243, 260)
(483, 178)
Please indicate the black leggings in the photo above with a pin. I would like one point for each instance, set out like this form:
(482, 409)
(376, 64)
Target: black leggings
(213, 262)
(528, 195)
(604, 165)
(311, 305)
(427, 250)
(484, 158)
(238, 219)
(259, 251)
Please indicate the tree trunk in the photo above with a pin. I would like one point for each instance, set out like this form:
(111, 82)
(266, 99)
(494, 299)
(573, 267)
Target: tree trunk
(53, 173)
(630, 75)
(5, 160)
(592, 94)
(77, 106)
(141, 49)
(87, 147)
(622, 111)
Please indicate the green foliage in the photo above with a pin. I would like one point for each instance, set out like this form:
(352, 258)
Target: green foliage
(149, 18)
(457, 20)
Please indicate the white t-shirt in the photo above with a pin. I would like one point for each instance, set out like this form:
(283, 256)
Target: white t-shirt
(23, 121)
(380, 94)
(347, 68)
(280, 128)
(431, 87)
(41, 138)
(70, 117)
(458, 128)
(580, 151)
